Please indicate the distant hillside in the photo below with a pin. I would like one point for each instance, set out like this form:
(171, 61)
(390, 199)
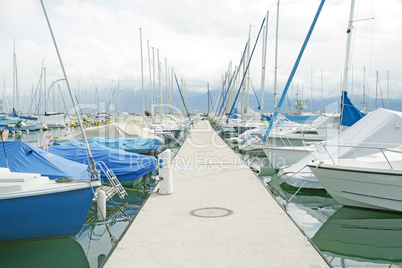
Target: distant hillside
(130, 101)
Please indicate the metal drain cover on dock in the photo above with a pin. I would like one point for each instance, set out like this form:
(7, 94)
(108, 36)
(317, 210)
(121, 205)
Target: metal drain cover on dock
(211, 212)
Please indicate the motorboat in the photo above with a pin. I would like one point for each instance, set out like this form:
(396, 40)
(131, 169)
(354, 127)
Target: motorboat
(380, 128)
(371, 181)
(325, 127)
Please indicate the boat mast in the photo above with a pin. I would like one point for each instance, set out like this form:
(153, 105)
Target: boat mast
(208, 96)
(150, 75)
(171, 89)
(153, 85)
(264, 61)
(388, 87)
(276, 111)
(276, 54)
(159, 85)
(364, 87)
(248, 73)
(91, 159)
(142, 76)
(376, 90)
(243, 90)
(14, 98)
(167, 84)
(348, 44)
(44, 86)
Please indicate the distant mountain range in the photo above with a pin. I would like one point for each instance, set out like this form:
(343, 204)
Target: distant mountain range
(197, 102)
(130, 101)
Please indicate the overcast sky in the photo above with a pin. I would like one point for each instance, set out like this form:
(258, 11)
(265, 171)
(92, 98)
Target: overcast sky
(99, 42)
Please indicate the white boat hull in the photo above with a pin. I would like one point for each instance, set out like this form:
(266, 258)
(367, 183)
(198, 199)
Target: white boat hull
(362, 187)
(41, 126)
(284, 156)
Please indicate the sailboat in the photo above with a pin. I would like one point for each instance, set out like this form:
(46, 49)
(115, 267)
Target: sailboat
(128, 167)
(366, 174)
(34, 207)
(298, 174)
(377, 129)
(326, 127)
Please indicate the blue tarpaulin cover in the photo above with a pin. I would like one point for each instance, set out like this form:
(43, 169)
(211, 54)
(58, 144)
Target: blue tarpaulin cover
(349, 113)
(265, 118)
(234, 116)
(15, 114)
(133, 145)
(125, 165)
(302, 119)
(26, 158)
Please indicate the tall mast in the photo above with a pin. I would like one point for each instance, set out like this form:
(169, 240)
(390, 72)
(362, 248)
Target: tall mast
(14, 78)
(159, 84)
(208, 96)
(4, 94)
(364, 87)
(142, 77)
(150, 74)
(243, 90)
(311, 91)
(118, 96)
(388, 87)
(348, 44)
(92, 162)
(248, 73)
(167, 83)
(44, 86)
(153, 85)
(171, 88)
(264, 61)
(276, 54)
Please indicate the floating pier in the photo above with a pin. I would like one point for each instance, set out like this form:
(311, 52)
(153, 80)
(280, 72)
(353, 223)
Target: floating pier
(219, 215)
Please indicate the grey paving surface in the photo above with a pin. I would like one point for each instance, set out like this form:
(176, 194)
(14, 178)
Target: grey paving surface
(219, 215)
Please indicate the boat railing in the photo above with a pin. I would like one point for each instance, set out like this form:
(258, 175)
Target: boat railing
(114, 182)
(383, 148)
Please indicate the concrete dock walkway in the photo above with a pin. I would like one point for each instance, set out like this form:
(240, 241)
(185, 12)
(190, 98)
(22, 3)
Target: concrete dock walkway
(219, 215)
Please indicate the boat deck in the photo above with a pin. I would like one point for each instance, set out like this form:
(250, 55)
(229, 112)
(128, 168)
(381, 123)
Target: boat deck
(219, 215)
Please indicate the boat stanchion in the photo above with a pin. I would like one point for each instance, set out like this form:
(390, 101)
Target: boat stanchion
(101, 205)
(165, 172)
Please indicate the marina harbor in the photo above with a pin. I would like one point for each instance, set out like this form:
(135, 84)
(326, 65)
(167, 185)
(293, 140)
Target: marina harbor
(272, 137)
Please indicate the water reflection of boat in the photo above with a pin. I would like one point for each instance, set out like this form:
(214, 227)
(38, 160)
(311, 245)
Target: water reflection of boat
(307, 197)
(315, 202)
(44, 253)
(95, 237)
(362, 234)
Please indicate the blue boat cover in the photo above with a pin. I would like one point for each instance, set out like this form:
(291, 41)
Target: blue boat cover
(349, 113)
(133, 145)
(126, 166)
(234, 116)
(302, 119)
(15, 114)
(265, 118)
(23, 157)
